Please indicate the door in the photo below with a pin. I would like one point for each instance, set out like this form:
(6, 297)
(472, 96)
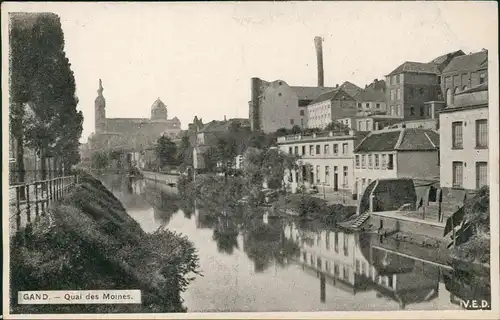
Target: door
(335, 181)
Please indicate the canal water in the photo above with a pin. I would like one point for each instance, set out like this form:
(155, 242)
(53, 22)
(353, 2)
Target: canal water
(270, 264)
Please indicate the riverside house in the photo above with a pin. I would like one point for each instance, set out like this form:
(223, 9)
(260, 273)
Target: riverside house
(396, 153)
(464, 140)
(326, 159)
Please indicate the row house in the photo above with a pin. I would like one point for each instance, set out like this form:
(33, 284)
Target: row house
(464, 72)
(329, 107)
(325, 158)
(464, 140)
(396, 153)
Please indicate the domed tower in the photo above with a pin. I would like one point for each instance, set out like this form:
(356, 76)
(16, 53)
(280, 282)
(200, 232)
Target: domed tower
(100, 110)
(159, 110)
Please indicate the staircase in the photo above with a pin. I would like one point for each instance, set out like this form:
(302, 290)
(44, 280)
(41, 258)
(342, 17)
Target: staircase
(357, 222)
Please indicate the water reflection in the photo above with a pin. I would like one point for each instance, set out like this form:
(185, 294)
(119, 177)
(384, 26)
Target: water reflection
(285, 265)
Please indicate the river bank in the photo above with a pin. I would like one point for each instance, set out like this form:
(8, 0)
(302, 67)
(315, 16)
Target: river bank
(88, 241)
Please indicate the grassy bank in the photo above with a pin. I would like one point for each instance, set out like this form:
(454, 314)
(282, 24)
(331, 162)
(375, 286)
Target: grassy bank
(89, 242)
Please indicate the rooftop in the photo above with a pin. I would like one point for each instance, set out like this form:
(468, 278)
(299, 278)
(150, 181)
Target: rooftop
(350, 88)
(337, 94)
(470, 62)
(310, 93)
(369, 94)
(400, 139)
(416, 67)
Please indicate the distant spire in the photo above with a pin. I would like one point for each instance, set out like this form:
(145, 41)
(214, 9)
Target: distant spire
(101, 89)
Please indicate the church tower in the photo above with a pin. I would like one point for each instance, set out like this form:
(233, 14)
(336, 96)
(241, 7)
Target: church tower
(100, 110)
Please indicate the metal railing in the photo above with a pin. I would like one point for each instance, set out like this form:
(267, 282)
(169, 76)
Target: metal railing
(27, 202)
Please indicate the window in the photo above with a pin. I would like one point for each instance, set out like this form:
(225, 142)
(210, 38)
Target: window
(360, 105)
(421, 91)
(449, 97)
(397, 78)
(303, 150)
(358, 266)
(335, 148)
(292, 121)
(302, 122)
(376, 161)
(327, 244)
(390, 162)
(336, 242)
(279, 94)
(384, 163)
(336, 270)
(367, 105)
(398, 94)
(304, 256)
(464, 88)
(370, 161)
(317, 174)
(457, 134)
(312, 260)
(422, 111)
(344, 148)
(290, 150)
(363, 163)
(301, 112)
(318, 263)
(412, 111)
(346, 251)
(481, 174)
(393, 94)
(296, 150)
(346, 273)
(357, 161)
(327, 174)
(359, 126)
(482, 133)
(345, 181)
(318, 149)
(327, 149)
(377, 105)
(367, 125)
(482, 78)
(311, 150)
(458, 174)
(457, 90)
(327, 266)
(363, 268)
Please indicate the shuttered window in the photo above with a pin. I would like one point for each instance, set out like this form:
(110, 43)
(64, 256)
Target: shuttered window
(481, 174)
(457, 134)
(458, 174)
(482, 133)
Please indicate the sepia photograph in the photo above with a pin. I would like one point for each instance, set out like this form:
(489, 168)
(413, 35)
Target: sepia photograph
(250, 159)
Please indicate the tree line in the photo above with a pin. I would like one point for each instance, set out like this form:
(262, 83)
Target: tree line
(42, 104)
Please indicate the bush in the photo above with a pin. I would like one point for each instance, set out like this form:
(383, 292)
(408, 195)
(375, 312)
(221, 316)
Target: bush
(89, 242)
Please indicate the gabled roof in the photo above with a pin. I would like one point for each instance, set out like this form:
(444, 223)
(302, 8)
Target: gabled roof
(470, 62)
(350, 88)
(445, 57)
(378, 85)
(416, 67)
(310, 93)
(404, 139)
(333, 95)
(370, 95)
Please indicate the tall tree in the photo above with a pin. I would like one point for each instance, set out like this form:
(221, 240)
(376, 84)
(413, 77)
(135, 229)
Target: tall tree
(185, 153)
(166, 151)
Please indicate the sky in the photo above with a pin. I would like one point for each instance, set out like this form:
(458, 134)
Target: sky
(199, 57)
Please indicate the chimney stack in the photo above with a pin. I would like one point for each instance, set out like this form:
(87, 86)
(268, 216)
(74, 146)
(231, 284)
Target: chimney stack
(319, 55)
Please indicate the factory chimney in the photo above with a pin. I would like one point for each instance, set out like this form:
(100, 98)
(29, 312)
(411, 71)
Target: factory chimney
(319, 55)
